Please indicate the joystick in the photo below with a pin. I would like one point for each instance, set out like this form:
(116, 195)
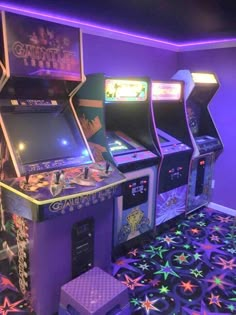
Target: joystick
(57, 177)
(85, 179)
(107, 167)
(86, 172)
(27, 176)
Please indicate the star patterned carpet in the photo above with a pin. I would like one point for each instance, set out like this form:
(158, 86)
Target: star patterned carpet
(187, 270)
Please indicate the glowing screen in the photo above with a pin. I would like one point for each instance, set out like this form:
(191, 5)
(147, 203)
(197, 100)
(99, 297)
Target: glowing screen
(125, 90)
(44, 136)
(203, 77)
(166, 91)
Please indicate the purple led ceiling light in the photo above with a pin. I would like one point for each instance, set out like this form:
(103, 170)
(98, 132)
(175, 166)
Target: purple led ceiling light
(96, 29)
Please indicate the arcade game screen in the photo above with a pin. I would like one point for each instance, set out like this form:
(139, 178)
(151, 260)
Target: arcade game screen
(44, 136)
(125, 90)
(117, 145)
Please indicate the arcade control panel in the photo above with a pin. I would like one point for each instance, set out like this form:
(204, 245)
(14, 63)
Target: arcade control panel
(127, 153)
(42, 196)
(208, 144)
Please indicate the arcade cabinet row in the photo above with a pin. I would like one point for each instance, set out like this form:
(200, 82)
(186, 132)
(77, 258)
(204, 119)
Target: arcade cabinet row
(90, 165)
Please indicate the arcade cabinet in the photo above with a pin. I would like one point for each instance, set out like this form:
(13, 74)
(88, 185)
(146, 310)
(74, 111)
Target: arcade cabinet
(199, 90)
(57, 202)
(114, 115)
(171, 135)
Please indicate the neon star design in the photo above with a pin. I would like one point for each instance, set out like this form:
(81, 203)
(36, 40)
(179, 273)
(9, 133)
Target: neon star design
(218, 228)
(164, 290)
(202, 311)
(156, 251)
(201, 223)
(197, 256)
(168, 240)
(226, 264)
(231, 307)
(133, 283)
(219, 282)
(187, 246)
(149, 305)
(135, 301)
(187, 286)
(123, 262)
(208, 248)
(166, 270)
(181, 258)
(231, 250)
(224, 219)
(196, 272)
(214, 299)
(215, 238)
(201, 215)
(178, 232)
(9, 307)
(143, 266)
(5, 283)
(195, 230)
(133, 252)
(154, 282)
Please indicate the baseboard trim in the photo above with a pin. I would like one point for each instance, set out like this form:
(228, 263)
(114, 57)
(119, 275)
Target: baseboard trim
(221, 208)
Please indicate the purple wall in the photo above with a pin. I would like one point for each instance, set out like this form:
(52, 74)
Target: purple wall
(119, 58)
(223, 111)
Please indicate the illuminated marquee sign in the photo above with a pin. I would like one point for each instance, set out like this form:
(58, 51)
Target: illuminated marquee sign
(125, 90)
(166, 91)
(204, 77)
(39, 48)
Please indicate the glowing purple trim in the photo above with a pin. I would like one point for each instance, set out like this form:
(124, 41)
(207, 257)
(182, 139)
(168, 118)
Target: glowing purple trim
(75, 22)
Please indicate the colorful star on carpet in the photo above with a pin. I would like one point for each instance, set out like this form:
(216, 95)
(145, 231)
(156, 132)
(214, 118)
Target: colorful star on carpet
(187, 286)
(218, 281)
(156, 251)
(143, 266)
(169, 240)
(203, 311)
(5, 283)
(214, 299)
(9, 307)
(224, 219)
(196, 272)
(226, 264)
(208, 248)
(154, 282)
(166, 270)
(164, 289)
(181, 258)
(123, 262)
(149, 305)
(195, 231)
(215, 238)
(218, 228)
(133, 283)
(133, 252)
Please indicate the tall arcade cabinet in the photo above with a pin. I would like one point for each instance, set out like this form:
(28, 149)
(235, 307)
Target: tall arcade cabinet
(56, 202)
(199, 90)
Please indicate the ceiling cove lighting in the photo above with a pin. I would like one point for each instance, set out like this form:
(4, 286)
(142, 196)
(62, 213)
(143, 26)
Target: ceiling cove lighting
(96, 29)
